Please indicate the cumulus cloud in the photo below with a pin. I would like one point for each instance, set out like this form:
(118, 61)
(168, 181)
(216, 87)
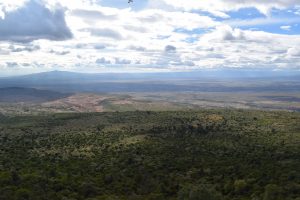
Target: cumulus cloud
(294, 51)
(137, 48)
(165, 35)
(21, 48)
(90, 46)
(228, 33)
(219, 7)
(59, 53)
(12, 64)
(34, 21)
(188, 63)
(170, 49)
(93, 14)
(103, 61)
(225, 33)
(4, 51)
(99, 46)
(246, 48)
(122, 61)
(10, 5)
(175, 19)
(105, 32)
(286, 28)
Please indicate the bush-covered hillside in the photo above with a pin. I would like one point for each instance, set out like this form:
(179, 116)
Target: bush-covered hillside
(205, 155)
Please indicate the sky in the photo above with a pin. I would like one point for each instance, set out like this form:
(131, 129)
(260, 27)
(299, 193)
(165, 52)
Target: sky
(148, 35)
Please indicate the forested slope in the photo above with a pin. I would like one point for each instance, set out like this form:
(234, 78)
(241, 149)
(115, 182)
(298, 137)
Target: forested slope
(209, 154)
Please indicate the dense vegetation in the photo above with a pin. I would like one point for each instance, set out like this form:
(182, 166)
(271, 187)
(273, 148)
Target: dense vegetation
(206, 155)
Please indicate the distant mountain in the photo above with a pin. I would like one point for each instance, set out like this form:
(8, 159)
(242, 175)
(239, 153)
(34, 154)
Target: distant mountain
(221, 80)
(28, 95)
(220, 74)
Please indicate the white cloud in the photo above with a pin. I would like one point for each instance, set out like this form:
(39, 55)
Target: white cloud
(34, 21)
(136, 48)
(122, 61)
(9, 6)
(91, 16)
(231, 47)
(12, 65)
(221, 6)
(59, 53)
(25, 47)
(293, 52)
(164, 36)
(170, 49)
(103, 61)
(286, 28)
(225, 32)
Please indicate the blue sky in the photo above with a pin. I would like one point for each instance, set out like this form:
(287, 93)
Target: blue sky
(148, 35)
(274, 23)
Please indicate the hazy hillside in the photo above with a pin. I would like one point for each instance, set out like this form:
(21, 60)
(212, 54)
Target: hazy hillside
(28, 95)
(202, 81)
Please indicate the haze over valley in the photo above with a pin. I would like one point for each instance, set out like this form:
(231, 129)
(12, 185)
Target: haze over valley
(76, 92)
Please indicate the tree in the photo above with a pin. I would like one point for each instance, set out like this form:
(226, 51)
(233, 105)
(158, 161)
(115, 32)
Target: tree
(200, 192)
(272, 192)
(240, 186)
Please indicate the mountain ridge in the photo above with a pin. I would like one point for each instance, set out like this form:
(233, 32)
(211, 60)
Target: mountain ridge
(29, 95)
(208, 73)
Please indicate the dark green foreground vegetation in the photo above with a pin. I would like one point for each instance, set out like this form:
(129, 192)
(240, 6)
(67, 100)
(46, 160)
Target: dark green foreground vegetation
(205, 155)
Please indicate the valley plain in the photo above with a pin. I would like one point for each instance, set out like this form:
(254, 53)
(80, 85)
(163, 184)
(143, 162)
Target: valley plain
(74, 92)
(73, 136)
(167, 101)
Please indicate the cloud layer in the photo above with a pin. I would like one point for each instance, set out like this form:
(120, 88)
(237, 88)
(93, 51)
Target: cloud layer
(160, 35)
(219, 7)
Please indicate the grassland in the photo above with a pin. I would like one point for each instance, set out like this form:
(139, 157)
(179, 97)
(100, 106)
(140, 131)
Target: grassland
(167, 101)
